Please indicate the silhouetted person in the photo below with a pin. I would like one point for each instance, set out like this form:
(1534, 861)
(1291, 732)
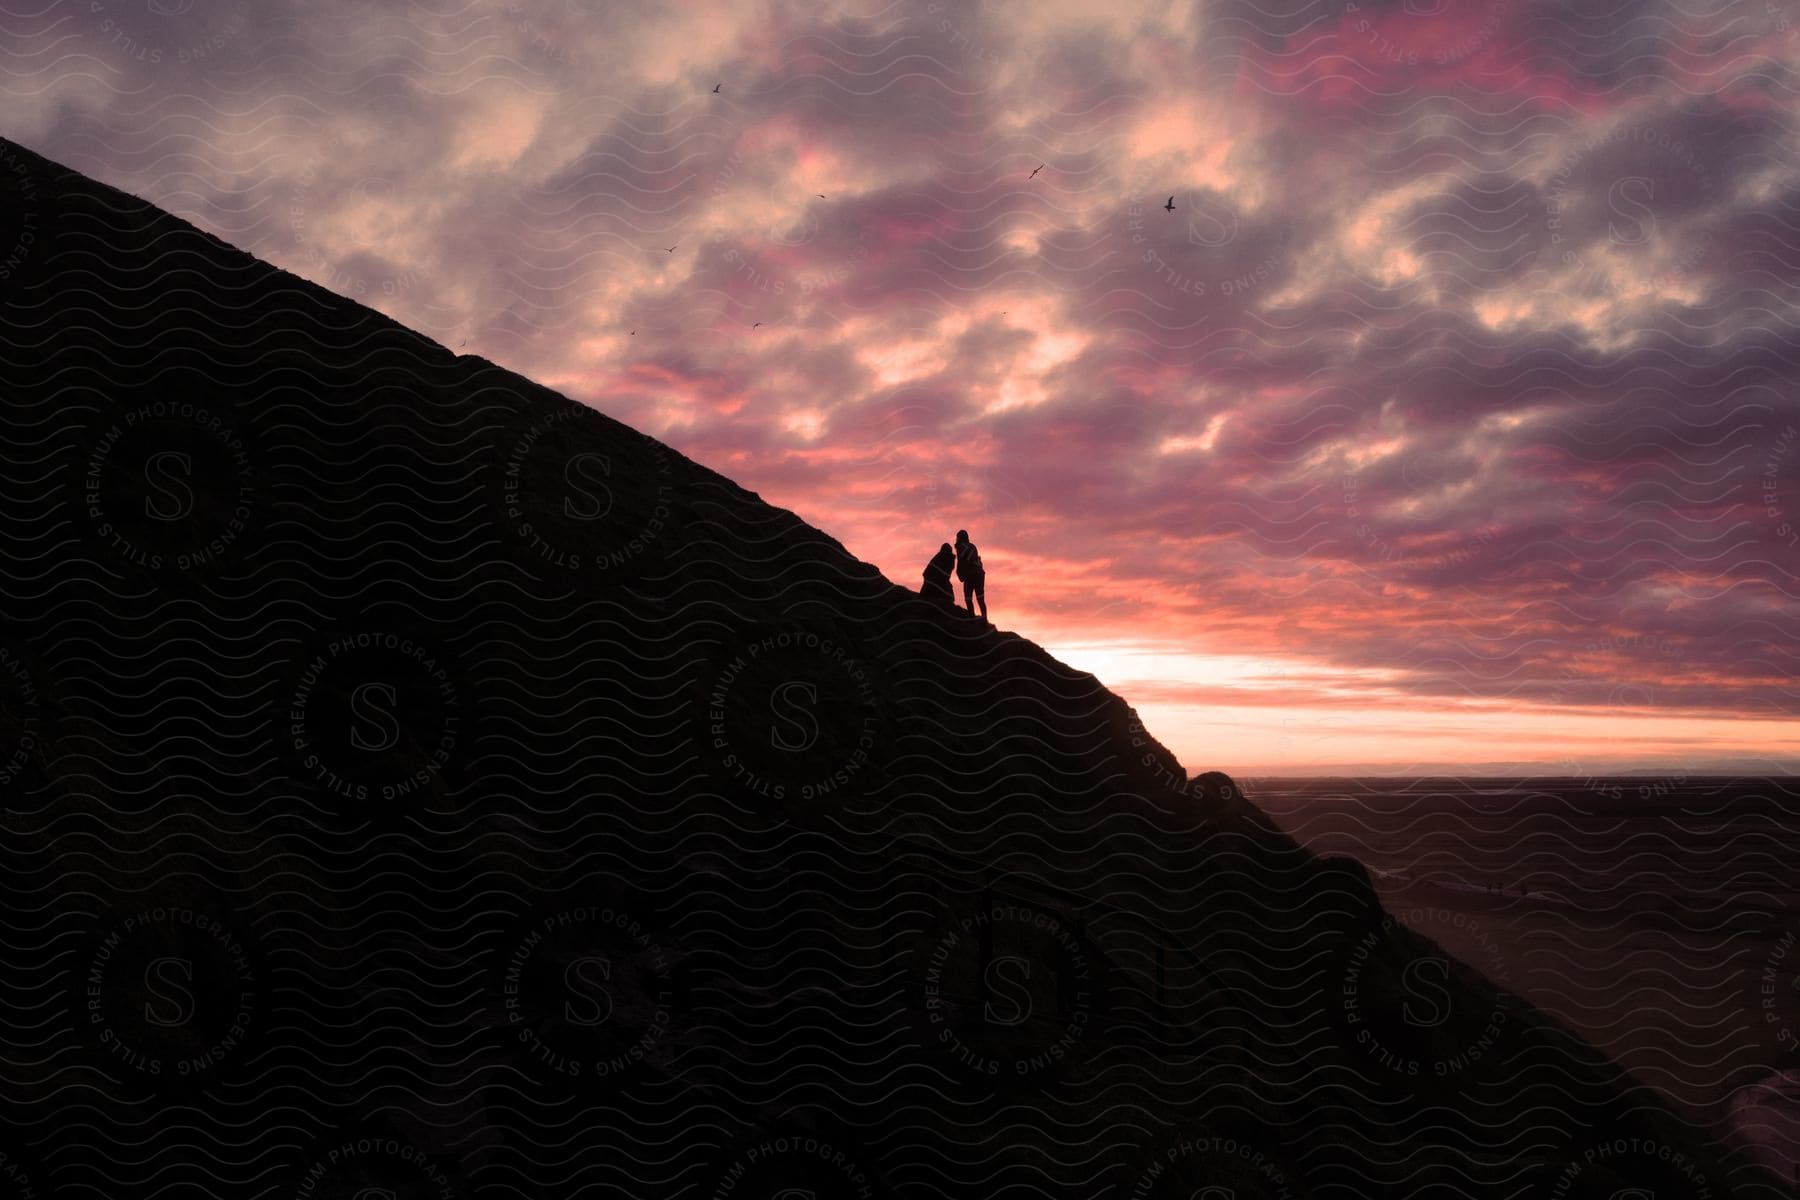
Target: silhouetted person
(937, 576)
(968, 569)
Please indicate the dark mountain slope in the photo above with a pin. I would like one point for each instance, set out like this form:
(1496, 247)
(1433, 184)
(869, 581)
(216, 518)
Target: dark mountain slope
(417, 781)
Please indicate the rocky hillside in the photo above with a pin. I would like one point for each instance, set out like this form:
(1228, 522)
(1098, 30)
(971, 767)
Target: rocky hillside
(417, 781)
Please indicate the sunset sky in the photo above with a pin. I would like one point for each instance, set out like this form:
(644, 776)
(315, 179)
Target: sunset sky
(1448, 422)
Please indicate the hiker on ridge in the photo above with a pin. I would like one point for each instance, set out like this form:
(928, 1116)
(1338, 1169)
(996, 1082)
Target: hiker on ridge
(937, 576)
(968, 569)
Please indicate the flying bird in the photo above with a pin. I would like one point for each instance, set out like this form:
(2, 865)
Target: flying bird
(754, 326)
(671, 249)
(716, 87)
(821, 195)
(1170, 206)
(1033, 175)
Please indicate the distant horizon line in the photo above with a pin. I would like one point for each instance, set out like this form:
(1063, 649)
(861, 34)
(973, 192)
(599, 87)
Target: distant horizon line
(1639, 773)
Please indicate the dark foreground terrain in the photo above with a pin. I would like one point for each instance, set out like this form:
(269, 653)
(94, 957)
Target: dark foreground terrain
(417, 784)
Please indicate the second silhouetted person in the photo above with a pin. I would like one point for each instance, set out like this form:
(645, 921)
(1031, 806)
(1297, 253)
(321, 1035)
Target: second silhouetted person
(937, 576)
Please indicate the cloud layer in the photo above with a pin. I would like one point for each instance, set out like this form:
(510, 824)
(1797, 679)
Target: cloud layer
(1457, 390)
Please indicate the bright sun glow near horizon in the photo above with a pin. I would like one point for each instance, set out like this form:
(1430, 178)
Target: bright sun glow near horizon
(1350, 723)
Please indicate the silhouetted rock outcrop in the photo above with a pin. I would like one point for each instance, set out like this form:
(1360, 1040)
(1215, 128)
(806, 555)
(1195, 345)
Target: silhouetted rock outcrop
(416, 780)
